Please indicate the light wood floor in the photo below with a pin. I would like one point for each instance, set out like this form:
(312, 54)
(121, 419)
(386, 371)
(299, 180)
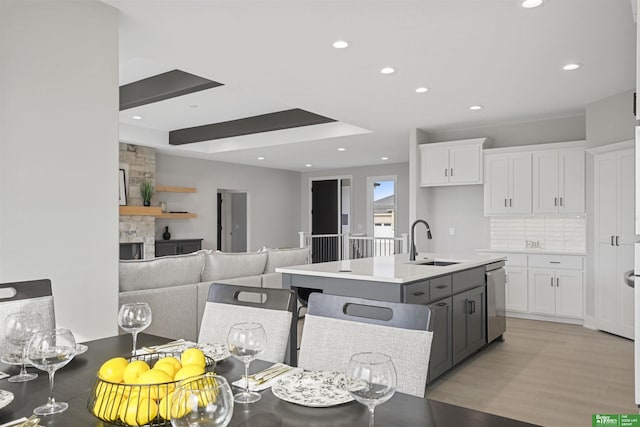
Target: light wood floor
(545, 373)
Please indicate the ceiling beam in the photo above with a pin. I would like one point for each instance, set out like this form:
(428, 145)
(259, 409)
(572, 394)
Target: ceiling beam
(249, 125)
(162, 86)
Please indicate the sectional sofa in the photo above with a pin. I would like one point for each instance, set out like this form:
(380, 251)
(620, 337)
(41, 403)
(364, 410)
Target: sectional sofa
(176, 287)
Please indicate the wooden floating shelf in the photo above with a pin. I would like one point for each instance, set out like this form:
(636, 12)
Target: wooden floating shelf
(153, 211)
(140, 210)
(168, 215)
(168, 189)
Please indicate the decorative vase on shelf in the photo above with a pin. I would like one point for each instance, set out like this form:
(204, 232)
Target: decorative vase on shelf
(147, 203)
(166, 235)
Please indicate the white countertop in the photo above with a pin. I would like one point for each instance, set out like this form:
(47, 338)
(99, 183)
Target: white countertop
(391, 269)
(533, 251)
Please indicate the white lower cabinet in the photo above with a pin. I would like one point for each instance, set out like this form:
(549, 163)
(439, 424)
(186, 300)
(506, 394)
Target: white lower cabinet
(556, 292)
(517, 290)
(544, 286)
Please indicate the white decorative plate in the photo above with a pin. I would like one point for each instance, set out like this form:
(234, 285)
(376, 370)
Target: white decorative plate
(315, 389)
(217, 352)
(81, 348)
(6, 397)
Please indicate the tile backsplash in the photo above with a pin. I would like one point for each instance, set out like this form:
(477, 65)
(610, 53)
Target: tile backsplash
(548, 232)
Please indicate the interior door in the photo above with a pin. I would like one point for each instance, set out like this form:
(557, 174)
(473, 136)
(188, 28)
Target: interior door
(239, 222)
(325, 216)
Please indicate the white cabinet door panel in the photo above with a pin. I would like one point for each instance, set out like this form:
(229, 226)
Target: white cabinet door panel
(545, 182)
(464, 164)
(520, 183)
(434, 165)
(542, 292)
(517, 290)
(571, 192)
(496, 185)
(569, 293)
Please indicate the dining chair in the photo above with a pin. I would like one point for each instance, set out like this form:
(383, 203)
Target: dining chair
(337, 327)
(30, 296)
(230, 304)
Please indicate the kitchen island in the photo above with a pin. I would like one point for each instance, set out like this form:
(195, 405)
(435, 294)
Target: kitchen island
(454, 287)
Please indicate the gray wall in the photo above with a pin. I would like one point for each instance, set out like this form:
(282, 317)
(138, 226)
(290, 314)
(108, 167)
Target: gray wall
(273, 200)
(609, 120)
(461, 207)
(59, 156)
(359, 194)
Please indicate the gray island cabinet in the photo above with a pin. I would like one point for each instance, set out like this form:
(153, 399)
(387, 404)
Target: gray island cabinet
(455, 293)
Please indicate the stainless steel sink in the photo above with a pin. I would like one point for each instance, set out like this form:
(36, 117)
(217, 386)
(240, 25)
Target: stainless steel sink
(437, 263)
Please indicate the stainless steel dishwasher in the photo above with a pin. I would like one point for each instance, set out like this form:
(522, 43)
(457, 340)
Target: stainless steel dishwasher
(496, 301)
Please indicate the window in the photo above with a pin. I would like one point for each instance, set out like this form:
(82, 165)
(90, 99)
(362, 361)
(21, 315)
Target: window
(381, 212)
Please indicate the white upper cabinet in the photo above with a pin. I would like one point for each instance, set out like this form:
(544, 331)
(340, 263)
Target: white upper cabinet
(559, 182)
(451, 163)
(507, 184)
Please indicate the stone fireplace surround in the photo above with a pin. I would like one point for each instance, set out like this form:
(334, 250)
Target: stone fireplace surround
(139, 164)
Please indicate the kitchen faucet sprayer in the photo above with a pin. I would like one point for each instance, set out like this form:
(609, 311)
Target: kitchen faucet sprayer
(412, 251)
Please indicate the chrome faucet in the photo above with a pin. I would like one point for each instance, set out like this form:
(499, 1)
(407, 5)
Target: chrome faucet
(412, 250)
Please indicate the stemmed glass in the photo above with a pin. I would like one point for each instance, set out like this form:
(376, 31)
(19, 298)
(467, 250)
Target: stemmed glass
(50, 350)
(134, 317)
(245, 342)
(202, 401)
(19, 328)
(372, 380)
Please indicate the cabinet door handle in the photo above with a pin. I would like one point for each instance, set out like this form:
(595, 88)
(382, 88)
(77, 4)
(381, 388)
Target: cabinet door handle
(510, 203)
(617, 240)
(473, 307)
(451, 171)
(441, 304)
(557, 281)
(417, 294)
(561, 202)
(612, 244)
(552, 282)
(441, 286)
(555, 201)
(554, 262)
(446, 171)
(505, 203)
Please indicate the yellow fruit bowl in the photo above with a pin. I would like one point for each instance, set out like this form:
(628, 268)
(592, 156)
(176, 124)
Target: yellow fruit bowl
(128, 392)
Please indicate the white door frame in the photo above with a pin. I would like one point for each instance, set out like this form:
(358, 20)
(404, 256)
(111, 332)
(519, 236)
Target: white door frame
(370, 181)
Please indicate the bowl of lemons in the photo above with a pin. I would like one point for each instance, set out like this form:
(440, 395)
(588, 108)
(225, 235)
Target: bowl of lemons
(138, 390)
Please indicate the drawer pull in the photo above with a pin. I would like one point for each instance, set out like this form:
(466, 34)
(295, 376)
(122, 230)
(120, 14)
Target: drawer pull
(417, 294)
(441, 304)
(554, 262)
(441, 286)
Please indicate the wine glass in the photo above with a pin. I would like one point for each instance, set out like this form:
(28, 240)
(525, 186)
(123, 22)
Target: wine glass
(372, 380)
(245, 342)
(202, 401)
(19, 328)
(134, 317)
(49, 350)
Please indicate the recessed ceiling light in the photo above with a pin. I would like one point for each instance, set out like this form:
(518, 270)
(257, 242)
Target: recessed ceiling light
(136, 117)
(308, 165)
(476, 107)
(387, 70)
(340, 44)
(342, 149)
(529, 4)
(260, 158)
(384, 158)
(571, 67)
(421, 90)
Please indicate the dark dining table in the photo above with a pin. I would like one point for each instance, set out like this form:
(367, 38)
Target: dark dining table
(73, 384)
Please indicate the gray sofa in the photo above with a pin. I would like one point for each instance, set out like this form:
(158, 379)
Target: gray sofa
(176, 287)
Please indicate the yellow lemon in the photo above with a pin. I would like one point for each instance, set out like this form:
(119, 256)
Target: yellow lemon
(107, 405)
(175, 362)
(169, 407)
(157, 379)
(167, 366)
(139, 412)
(134, 370)
(113, 369)
(188, 371)
(193, 356)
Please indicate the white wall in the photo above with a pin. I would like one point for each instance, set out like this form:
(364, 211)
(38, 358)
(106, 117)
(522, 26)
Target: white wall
(59, 156)
(461, 207)
(359, 194)
(273, 200)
